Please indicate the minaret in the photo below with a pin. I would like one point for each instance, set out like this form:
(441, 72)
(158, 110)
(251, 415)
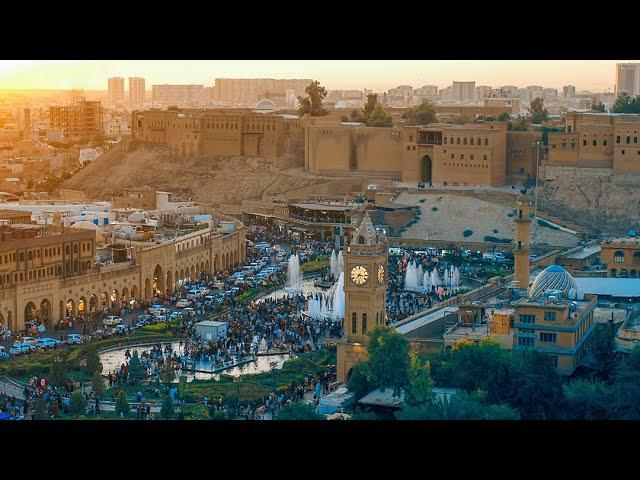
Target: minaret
(365, 287)
(523, 240)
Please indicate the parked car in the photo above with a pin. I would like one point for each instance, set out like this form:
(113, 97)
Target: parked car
(174, 315)
(183, 303)
(48, 342)
(19, 349)
(4, 356)
(76, 338)
(111, 320)
(41, 328)
(30, 340)
(189, 312)
(120, 329)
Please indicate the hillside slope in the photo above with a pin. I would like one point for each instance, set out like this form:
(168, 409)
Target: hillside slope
(209, 179)
(604, 204)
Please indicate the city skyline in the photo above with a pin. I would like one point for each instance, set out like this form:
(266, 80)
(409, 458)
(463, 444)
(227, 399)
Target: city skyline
(596, 75)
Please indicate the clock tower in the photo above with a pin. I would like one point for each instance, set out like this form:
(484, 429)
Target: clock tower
(365, 287)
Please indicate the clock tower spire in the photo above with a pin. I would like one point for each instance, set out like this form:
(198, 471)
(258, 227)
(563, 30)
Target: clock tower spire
(365, 287)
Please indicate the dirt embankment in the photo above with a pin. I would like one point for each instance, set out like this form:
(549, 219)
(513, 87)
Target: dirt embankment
(607, 205)
(211, 179)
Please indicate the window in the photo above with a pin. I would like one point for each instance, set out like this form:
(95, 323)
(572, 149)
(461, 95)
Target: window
(584, 143)
(628, 139)
(594, 143)
(550, 316)
(364, 323)
(604, 142)
(617, 138)
(524, 318)
(354, 323)
(554, 360)
(525, 341)
(618, 257)
(546, 337)
(622, 152)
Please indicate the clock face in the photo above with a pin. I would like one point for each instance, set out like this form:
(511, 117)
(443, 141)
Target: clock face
(380, 274)
(359, 275)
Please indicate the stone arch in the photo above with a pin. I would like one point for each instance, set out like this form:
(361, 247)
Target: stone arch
(46, 311)
(216, 263)
(618, 256)
(61, 310)
(169, 283)
(636, 258)
(93, 303)
(82, 307)
(115, 298)
(71, 308)
(134, 293)
(11, 323)
(105, 300)
(177, 279)
(425, 169)
(203, 272)
(2, 321)
(30, 312)
(633, 274)
(207, 269)
(158, 280)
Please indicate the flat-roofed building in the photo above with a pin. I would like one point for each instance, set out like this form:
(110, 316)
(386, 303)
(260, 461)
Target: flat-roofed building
(78, 121)
(621, 257)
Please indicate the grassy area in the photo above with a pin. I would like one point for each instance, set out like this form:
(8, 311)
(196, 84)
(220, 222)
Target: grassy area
(491, 239)
(320, 263)
(254, 388)
(39, 363)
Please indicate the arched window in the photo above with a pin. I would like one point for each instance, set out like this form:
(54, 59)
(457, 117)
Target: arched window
(354, 323)
(636, 258)
(618, 257)
(364, 323)
(377, 317)
(614, 273)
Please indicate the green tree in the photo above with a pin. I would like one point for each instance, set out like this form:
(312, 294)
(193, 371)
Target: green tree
(167, 410)
(93, 363)
(603, 349)
(137, 371)
(538, 113)
(97, 384)
(389, 359)
(217, 414)
(420, 388)
(77, 403)
(312, 103)
(422, 114)
(587, 400)
(504, 117)
(625, 104)
(597, 106)
(168, 373)
(298, 411)
(379, 118)
(359, 380)
(122, 405)
(58, 373)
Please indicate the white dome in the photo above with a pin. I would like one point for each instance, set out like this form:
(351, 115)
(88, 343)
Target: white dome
(554, 277)
(85, 224)
(266, 104)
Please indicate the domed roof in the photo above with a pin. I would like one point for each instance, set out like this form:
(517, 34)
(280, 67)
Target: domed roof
(266, 104)
(85, 224)
(554, 277)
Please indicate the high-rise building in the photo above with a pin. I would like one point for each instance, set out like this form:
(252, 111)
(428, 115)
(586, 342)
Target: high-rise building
(136, 91)
(463, 91)
(628, 79)
(27, 123)
(365, 286)
(483, 92)
(116, 89)
(79, 121)
(249, 90)
(568, 90)
(178, 95)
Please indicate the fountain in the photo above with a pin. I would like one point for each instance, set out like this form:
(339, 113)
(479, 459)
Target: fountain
(411, 279)
(340, 263)
(294, 275)
(334, 264)
(337, 304)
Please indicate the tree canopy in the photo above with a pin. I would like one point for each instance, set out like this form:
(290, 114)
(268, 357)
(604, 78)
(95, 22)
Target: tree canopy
(312, 103)
(422, 114)
(538, 113)
(626, 104)
(374, 115)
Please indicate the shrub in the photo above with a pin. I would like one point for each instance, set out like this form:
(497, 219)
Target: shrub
(422, 200)
(434, 209)
(122, 405)
(495, 230)
(167, 411)
(299, 411)
(97, 384)
(467, 233)
(491, 239)
(77, 403)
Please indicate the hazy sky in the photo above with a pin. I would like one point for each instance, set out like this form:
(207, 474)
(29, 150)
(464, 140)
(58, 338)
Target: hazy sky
(333, 74)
